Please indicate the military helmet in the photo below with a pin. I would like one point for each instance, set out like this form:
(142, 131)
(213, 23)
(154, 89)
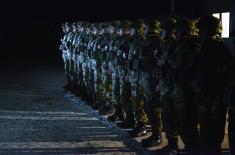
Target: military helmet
(168, 24)
(74, 24)
(185, 24)
(124, 24)
(211, 24)
(153, 24)
(138, 24)
(115, 23)
(62, 25)
(67, 24)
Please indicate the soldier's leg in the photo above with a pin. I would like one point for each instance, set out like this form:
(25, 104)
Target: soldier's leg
(71, 66)
(153, 111)
(189, 125)
(90, 90)
(231, 120)
(126, 105)
(170, 123)
(212, 122)
(139, 108)
(126, 100)
(139, 103)
(116, 96)
(109, 106)
(67, 74)
(78, 76)
(65, 68)
(100, 89)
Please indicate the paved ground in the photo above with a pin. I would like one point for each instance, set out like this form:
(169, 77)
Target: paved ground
(37, 117)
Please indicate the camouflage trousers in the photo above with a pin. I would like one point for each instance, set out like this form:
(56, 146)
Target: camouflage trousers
(186, 111)
(78, 70)
(212, 118)
(125, 90)
(115, 86)
(107, 83)
(66, 62)
(84, 73)
(231, 121)
(137, 98)
(65, 57)
(72, 74)
(98, 83)
(151, 101)
(169, 113)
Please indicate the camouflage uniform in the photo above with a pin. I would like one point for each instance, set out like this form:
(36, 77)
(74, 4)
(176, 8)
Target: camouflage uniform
(97, 62)
(212, 108)
(134, 78)
(183, 93)
(165, 85)
(231, 112)
(148, 82)
(231, 105)
(63, 48)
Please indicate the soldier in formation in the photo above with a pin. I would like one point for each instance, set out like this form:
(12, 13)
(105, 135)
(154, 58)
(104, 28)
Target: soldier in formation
(175, 74)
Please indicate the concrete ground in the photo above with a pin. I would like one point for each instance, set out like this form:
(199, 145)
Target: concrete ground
(38, 117)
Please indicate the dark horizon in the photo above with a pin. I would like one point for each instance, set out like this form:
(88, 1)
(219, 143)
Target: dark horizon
(30, 31)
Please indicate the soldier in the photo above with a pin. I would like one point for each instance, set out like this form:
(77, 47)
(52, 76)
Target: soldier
(98, 56)
(129, 49)
(70, 49)
(82, 60)
(92, 64)
(165, 84)
(110, 69)
(214, 58)
(182, 68)
(77, 58)
(72, 67)
(231, 112)
(104, 68)
(86, 66)
(151, 42)
(90, 75)
(121, 61)
(65, 46)
(118, 115)
(64, 52)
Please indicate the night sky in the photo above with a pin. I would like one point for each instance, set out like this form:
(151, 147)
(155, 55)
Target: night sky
(30, 30)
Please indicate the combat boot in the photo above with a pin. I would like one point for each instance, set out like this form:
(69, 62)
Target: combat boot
(170, 149)
(66, 87)
(69, 86)
(107, 109)
(98, 104)
(138, 131)
(117, 116)
(154, 140)
(128, 122)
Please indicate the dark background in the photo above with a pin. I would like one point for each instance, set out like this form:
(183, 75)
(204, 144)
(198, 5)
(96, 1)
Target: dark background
(30, 30)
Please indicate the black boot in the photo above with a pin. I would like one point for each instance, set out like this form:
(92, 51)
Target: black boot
(128, 122)
(170, 149)
(66, 87)
(69, 86)
(154, 140)
(138, 131)
(98, 104)
(117, 116)
(107, 110)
